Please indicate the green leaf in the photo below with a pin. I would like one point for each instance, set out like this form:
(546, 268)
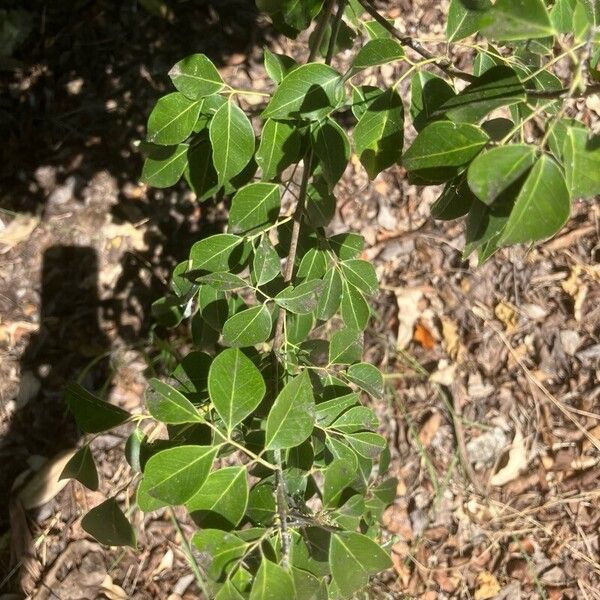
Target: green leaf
(328, 411)
(338, 476)
(92, 414)
(330, 298)
(254, 208)
(301, 299)
(195, 77)
(223, 281)
(267, 264)
(228, 592)
(561, 15)
(466, 18)
(354, 308)
(278, 66)
(362, 97)
(225, 492)
(200, 172)
(356, 419)
(280, 146)
(309, 92)
(272, 582)
(221, 548)
(377, 52)
(235, 386)
(376, 31)
(427, 93)
(346, 346)
(332, 147)
(215, 253)
(209, 105)
(366, 443)
(582, 163)
(168, 405)
(455, 201)
(164, 165)
(495, 170)
(592, 10)
(498, 86)
(174, 475)
(172, 119)
(298, 327)
(313, 265)
(290, 16)
(361, 274)
(308, 586)
(292, 416)
(379, 133)
(232, 139)
(107, 524)
(248, 327)
(442, 147)
(542, 206)
(354, 558)
(518, 20)
(368, 377)
(81, 466)
(320, 205)
(347, 245)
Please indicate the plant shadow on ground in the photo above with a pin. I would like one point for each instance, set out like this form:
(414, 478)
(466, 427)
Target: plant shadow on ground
(87, 77)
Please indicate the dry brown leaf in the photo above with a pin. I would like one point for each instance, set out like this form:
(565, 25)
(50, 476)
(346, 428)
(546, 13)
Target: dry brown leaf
(45, 484)
(400, 552)
(423, 336)
(487, 586)
(445, 374)
(507, 314)
(517, 462)
(447, 580)
(430, 428)
(17, 231)
(408, 313)
(112, 591)
(454, 347)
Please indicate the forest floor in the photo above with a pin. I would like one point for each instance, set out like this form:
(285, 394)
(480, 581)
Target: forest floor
(493, 411)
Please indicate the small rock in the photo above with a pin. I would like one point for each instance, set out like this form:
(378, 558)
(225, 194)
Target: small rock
(570, 341)
(485, 448)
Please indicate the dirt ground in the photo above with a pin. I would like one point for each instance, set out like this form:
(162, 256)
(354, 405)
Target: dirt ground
(493, 414)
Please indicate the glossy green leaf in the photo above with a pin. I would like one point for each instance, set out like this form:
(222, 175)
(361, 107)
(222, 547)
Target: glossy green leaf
(561, 15)
(236, 387)
(313, 265)
(332, 147)
(356, 419)
(172, 119)
(232, 139)
(345, 346)
(225, 492)
(278, 66)
(337, 477)
(518, 20)
(366, 443)
(360, 274)
(495, 170)
(347, 245)
(272, 582)
(174, 475)
(228, 592)
(301, 299)
(164, 165)
(221, 548)
(209, 105)
(290, 16)
(292, 416)
(330, 297)
(200, 172)
(498, 86)
(107, 524)
(248, 327)
(91, 413)
(280, 146)
(169, 405)
(379, 133)
(454, 201)
(362, 97)
(542, 206)
(308, 586)
(466, 18)
(309, 92)
(195, 76)
(224, 281)
(330, 410)
(368, 377)
(582, 163)
(427, 93)
(320, 203)
(377, 52)
(215, 253)
(267, 264)
(354, 308)
(254, 208)
(592, 10)
(376, 31)
(81, 466)
(442, 147)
